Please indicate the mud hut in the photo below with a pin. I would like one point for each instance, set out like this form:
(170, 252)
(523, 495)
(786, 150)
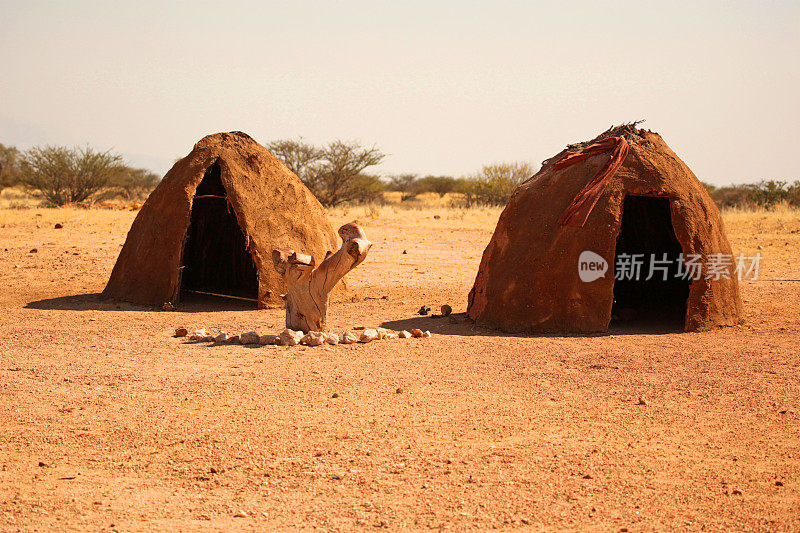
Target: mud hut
(211, 225)
(564, 255)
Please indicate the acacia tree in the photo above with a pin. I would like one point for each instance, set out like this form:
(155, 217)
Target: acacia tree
(441, 185)
(63, 175)
(300, 157)
(131, 183)
(338, 179)
(406, 184)
(9, 166)
(335, 173)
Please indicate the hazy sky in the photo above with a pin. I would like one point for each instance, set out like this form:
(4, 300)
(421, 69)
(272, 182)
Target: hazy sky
(442, 87)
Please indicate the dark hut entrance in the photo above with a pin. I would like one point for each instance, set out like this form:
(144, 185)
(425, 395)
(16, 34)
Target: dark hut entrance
(215, 256)
(647, 237)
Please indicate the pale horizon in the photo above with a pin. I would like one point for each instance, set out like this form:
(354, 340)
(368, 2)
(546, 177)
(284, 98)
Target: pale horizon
(442, 88)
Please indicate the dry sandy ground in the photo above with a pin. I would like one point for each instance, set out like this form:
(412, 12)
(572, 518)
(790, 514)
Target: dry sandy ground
(109, 423)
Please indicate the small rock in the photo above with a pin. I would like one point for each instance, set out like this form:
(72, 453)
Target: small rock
(384, 297)
(335, 395)
(382, 332)
(391, 335)
(332, 338)
(250, 337)
(58, 226)
(268, 339)
(368, 335)
(642, 401)
(416, 333)
(779, 483)
(222, 338)
(167, 306)
(313, 338)
(181, 332)
(348, 337)
(34, 251)
(398, 391)
(359, 328)
(404, 252)
(446, 310)
(426, 333)
(234, 339)
(199, 335)
(240, 514)
(424, 310)
(42, 464)
(208, 338)
(760, 247)
(404, 334)
(290, 337)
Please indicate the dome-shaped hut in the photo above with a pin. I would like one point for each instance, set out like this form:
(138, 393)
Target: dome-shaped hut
(211, 224)
(614, 227)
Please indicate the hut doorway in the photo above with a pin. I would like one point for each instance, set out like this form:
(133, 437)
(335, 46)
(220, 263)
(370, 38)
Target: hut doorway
(216, 259)
(652, 293)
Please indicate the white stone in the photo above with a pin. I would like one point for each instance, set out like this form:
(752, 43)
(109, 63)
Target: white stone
(332, 338)
(313, 338)
(368, 335)
(404, 334)
(348, 337)
(290, 337)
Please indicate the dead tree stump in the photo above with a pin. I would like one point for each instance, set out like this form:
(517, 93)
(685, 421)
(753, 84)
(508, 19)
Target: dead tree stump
(308, 287)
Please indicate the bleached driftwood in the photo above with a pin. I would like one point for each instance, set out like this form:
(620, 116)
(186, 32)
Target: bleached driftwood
(308, 288)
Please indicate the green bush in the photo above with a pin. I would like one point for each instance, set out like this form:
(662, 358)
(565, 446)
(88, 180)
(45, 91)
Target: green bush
(10, 174)
(335, 173)
(64, 175)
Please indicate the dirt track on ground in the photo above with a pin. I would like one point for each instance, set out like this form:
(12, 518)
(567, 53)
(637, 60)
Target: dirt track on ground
(108, 422)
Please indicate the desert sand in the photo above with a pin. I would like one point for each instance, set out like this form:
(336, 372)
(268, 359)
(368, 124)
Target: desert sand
(110, 423)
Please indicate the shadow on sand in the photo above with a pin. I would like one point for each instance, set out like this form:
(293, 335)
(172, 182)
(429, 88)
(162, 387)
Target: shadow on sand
(191, 303)
(457, 325)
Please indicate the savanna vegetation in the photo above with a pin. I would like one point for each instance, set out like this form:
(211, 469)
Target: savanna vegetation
(339, 173)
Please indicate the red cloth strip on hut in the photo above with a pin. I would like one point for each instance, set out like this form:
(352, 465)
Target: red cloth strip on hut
(578, 211)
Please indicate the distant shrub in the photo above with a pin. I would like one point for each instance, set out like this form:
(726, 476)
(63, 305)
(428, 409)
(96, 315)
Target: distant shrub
(10, 174)
(63, 175)
(131, 184)
(766, 194)
(441, 185)
(334, 173)
(493, 185)
(406, 184)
